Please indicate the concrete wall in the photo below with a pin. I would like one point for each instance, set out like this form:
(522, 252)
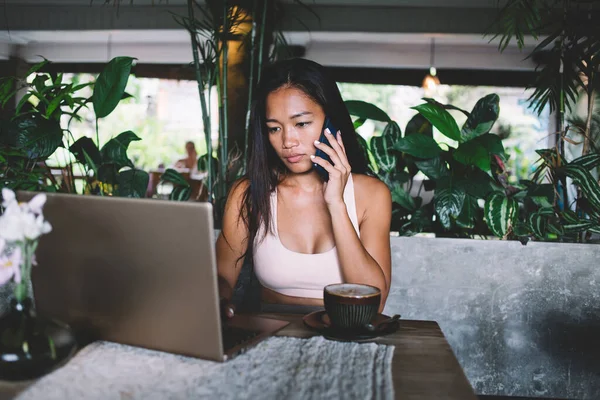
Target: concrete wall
(522, 320)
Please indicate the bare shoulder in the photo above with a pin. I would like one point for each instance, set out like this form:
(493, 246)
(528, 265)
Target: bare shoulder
(238, 189)
(371, 194)
(235, 198)
(368, 187)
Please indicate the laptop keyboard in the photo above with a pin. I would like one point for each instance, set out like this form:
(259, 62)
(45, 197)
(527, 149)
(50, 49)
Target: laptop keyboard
(233, 336)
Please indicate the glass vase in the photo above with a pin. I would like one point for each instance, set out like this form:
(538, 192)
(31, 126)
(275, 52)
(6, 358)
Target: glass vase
(31, 345)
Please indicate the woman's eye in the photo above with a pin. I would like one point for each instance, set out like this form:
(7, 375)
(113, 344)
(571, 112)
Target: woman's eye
(303, 124)
(272, 129)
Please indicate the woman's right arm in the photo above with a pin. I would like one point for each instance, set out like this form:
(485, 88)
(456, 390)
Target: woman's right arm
(231, 245)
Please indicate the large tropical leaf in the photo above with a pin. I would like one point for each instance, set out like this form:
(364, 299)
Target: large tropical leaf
(441, 119)
(402, 197)
(482, 118)
(433, 168)
(86, 152)
(500, 214)
(133, 183)
(448, 204)
(38, 137)
(110, 85)
(420, 146)
(115, 150)
(473, 153)
(419, 124)
(364, 110)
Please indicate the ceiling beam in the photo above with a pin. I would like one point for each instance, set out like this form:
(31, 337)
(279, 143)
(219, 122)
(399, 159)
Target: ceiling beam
(331, 18)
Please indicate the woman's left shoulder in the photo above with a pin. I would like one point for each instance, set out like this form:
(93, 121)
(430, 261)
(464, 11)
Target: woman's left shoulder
(369, 187)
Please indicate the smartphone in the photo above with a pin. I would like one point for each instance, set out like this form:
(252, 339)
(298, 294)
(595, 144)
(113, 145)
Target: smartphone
(323, 139)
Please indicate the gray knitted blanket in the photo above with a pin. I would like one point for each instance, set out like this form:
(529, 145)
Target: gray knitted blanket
(277, 368)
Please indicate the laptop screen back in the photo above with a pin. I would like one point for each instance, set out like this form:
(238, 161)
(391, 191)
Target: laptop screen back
(133, 271)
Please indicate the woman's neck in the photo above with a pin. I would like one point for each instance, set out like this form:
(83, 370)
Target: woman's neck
(307, 182)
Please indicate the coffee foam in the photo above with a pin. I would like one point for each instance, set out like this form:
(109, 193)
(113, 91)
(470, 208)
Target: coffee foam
(352, 290)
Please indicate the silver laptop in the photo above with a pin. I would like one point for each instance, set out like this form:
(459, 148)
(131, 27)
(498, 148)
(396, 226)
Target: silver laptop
(139, 272)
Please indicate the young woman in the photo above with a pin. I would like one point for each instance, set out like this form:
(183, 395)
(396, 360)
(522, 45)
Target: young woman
(301, 232)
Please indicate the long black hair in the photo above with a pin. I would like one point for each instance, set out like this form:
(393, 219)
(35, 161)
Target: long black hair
(265, 169)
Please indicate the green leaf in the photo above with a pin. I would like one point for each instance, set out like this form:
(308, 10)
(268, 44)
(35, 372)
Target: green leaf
(402, 197)
(115, 150)
(500, 214)
(419, 125)
(584, 179)
(86, 152)
(468, 215)
(477, 183)
(110, 85)
(482, 118)
(365, 147)
(133, 183)
(433, 168)
(537, 224)
(420, 146)
(181, 193)
(174, 177)
(36, 67)
(203, 163)
(381, 148)
(441, 119)
(364, 110)
(392, 129)
(359, 122)
(473, 153)
(448, 204)
(38, 137)
(544, 190)
(589, 161)
(492, 143)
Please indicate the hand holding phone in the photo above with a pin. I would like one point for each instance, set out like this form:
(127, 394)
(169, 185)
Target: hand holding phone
(323, 139)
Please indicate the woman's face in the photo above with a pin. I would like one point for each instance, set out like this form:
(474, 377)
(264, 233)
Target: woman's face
(294, 122)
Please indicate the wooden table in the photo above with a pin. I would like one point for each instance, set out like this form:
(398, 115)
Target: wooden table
(423, 367)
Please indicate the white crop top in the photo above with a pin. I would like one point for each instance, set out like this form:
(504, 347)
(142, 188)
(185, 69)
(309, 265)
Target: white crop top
(298, 274)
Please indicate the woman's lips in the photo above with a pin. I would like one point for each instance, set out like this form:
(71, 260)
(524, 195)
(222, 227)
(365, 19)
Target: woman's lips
(295, 158)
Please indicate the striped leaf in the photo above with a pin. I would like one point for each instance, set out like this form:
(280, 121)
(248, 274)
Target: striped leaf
(482, 117)
(537, 224)
(448, 204)
(382, 147)
(588, 162)
(174, 177)
(571, 223)
(586, 182)
(181, 193)
(500, 214)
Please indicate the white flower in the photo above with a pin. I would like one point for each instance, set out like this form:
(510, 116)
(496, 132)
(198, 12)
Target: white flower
(22, 222)
(12, 224)
(8, 197)
(9, 264)
(37, 203)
